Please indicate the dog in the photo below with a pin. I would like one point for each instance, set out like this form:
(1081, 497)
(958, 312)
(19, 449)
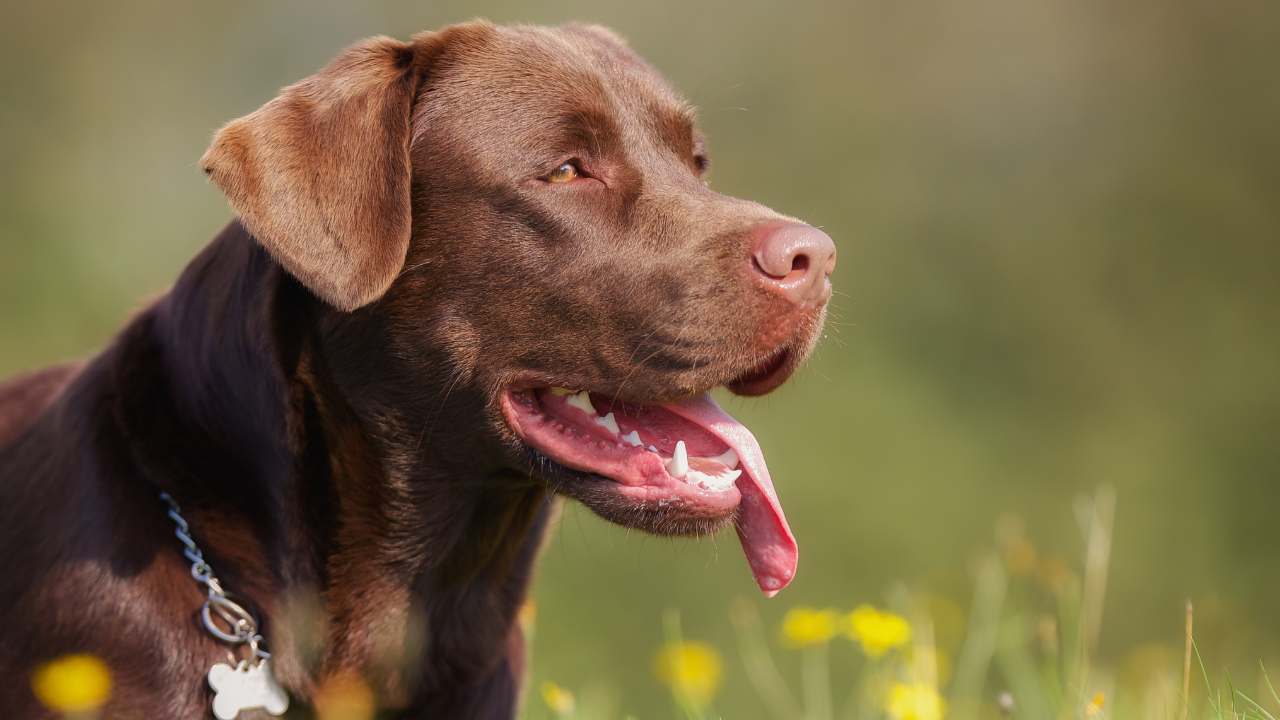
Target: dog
(468, 273)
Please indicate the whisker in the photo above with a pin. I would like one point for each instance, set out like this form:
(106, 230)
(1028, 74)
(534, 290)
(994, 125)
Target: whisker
(411, 268)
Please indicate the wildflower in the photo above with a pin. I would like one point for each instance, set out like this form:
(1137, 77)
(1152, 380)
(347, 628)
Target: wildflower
(1094, 708)
(1054, 575)
(1020, 557)
(917, 701)
(559, 700)
(72, 683)
(690, 669)
(345, 697)
(803, 626)
(877, 631)
(527, 614)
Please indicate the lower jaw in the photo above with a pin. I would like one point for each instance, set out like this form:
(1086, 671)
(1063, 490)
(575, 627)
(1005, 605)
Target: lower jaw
(665, 517)
(632, 488)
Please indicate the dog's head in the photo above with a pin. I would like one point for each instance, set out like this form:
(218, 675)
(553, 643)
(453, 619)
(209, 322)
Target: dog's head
(523, 215)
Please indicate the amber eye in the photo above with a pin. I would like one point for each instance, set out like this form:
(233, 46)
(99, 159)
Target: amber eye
(563, 174)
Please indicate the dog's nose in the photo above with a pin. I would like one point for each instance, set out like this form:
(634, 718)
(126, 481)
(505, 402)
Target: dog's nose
(795, 260)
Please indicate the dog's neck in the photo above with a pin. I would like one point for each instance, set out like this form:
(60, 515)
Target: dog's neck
(320, 491)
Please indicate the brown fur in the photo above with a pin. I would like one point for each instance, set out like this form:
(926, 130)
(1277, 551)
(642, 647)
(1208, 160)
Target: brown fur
(325, 410)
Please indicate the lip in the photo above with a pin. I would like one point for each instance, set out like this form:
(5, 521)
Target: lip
(766, 375)
(634, 473)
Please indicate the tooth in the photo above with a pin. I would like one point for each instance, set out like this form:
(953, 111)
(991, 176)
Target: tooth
(728, 458)
(652, 449)
(560, 392)
(582, 401)
(700, 479)
(678, 465)
(632, 438)
(728, 476)
(712, 483)
(609, 423)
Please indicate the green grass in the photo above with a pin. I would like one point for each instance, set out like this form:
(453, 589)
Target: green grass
(1027, 649)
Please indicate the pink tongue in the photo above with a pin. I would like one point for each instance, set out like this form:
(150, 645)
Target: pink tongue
(762, 528)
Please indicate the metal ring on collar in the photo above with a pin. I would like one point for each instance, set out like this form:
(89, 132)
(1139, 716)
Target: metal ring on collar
(242, 623)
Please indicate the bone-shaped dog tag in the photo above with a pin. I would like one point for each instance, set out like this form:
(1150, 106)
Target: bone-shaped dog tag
(245, 688)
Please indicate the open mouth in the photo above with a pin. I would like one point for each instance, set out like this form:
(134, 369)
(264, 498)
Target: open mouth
(689, 455)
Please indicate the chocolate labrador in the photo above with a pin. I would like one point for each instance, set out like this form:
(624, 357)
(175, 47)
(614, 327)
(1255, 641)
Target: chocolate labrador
(468, 273)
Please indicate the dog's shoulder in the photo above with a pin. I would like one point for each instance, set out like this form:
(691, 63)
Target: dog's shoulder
(24, 397)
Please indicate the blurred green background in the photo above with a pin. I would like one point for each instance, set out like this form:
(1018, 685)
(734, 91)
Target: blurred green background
(1059, 231)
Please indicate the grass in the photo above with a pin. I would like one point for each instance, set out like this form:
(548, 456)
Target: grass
(1028, 649)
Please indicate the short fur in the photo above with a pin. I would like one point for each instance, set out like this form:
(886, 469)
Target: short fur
(319, 388)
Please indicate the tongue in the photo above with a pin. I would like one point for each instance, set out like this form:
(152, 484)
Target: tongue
(762, 528)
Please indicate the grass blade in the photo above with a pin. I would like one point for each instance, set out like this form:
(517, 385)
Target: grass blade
(761, 669)
(1186, 667)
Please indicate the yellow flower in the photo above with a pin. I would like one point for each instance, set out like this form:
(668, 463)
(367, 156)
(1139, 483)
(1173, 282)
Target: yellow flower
(527, 614)
(1054, 575)
(803, 626)
(72, 683)
(690, 669)
(877, 631)
(1094, 708)
(345, 697)
(558, 699)
(1020, 557)
(916, 701)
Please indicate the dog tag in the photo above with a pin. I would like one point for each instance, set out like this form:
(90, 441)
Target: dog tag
(246, 687)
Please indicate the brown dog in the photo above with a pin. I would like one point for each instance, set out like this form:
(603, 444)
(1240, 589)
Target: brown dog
(359, 392)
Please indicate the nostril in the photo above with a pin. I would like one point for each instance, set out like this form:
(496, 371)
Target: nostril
(794, 259)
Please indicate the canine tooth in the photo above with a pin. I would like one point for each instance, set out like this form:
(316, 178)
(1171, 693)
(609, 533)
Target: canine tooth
(652, 449)
(582, 401)
(728, 458)
(632, 438)
(609, 423)
(678, 465)
(560, 392)
(729, 476)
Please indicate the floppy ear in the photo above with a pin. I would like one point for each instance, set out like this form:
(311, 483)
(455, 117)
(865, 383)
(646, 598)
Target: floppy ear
(320, 175)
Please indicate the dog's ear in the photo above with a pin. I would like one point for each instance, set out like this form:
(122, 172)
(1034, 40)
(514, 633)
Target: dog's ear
(320, 175)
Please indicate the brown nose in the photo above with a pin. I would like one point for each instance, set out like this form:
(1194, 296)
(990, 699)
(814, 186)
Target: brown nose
(795, 260)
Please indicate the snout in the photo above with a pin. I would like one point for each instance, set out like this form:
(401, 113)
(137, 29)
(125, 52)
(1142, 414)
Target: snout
(794, 260)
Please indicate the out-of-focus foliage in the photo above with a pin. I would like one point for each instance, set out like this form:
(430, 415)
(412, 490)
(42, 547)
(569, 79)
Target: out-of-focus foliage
(1059, 231)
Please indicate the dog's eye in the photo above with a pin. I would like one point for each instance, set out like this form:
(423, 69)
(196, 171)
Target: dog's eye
(567, 172)
(702, 162)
